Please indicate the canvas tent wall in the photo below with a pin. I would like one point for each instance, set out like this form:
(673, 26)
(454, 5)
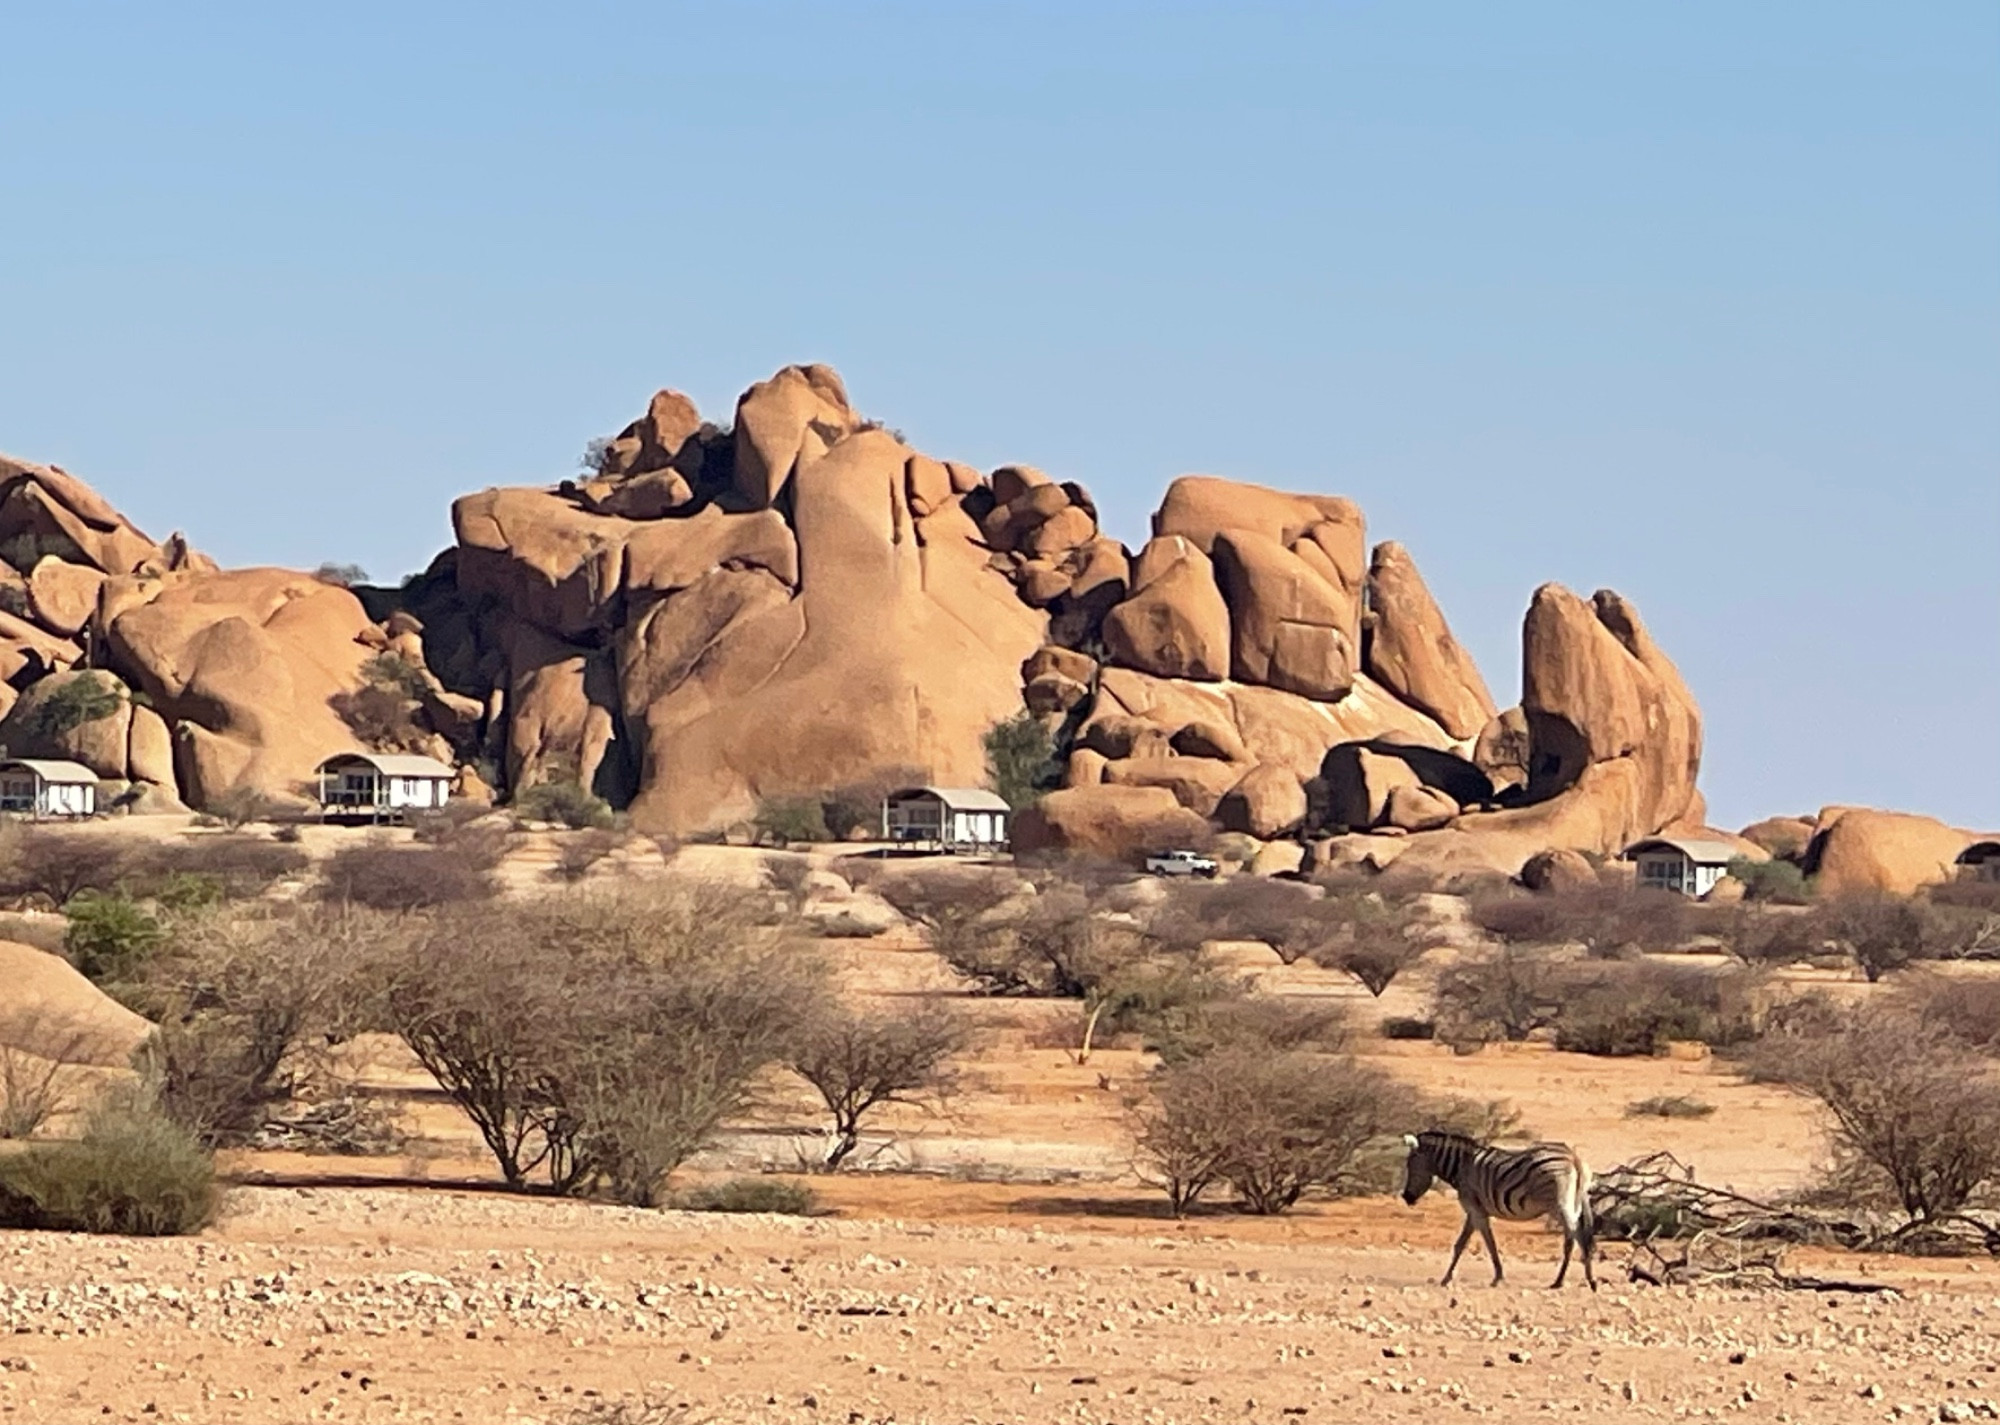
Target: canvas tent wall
(953, 818)
(381, 784)
(47, 787)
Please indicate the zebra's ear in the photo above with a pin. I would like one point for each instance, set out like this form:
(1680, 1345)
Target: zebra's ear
(1409, 1140)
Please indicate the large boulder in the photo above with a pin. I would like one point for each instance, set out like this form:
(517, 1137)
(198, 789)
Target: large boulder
(1289, 627)
(1357, 779)
(1198, 783)
(1503, 749)
(46, 511)
(1175, 623)
(245, 665)
(53, 1012)
(785, 424)
(1199, 507)
(1599, 696)
(1784, 838)
(83, 715)
(1558, 871)
(62, 596)
(1412, 653)
(1113, 822)
(1267, 802)
(654, 441)
(1858, 849)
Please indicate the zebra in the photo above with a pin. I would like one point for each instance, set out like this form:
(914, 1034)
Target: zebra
(1517, 1184)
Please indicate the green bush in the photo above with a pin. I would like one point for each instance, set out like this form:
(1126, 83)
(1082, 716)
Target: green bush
(1779, 882)
(568, 804)
(1021, 760)
(784, 820)
(110, 935)
(80, 700)
(394, 671)
(749, 1195)
(132, 1173)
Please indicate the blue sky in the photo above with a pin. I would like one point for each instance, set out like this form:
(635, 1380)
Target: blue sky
(1700, 302)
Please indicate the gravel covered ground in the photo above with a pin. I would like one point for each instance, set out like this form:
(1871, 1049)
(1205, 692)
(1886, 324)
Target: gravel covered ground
(379, 1304)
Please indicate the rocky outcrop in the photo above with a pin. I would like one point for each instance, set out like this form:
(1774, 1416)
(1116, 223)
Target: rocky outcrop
(1110, 822)
(708, 617)
(1412, 653)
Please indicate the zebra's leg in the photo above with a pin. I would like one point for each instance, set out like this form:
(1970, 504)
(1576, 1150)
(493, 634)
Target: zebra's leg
(1492, 1247)
(1464, 1236)
(1586, 1237)
(1569, 1245)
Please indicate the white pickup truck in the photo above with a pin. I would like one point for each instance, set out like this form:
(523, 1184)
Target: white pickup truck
(1181, 863)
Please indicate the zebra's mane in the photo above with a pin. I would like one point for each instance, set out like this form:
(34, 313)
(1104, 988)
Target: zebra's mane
(1444, 1136)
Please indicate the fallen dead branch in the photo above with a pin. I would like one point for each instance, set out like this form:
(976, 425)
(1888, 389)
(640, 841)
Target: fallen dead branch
(1685, 1232)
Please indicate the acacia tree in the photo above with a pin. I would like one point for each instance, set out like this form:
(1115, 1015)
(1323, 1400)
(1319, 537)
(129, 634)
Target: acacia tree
(858, 1061)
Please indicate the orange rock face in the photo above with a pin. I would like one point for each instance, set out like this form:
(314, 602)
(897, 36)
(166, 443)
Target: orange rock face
(1412, 653)
(1858, 850)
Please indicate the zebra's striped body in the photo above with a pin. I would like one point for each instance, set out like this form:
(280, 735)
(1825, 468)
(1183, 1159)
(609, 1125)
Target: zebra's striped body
(1514, 1184)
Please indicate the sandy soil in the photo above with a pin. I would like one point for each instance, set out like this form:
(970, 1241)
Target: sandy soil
(333, 1304)
(1023, 1275)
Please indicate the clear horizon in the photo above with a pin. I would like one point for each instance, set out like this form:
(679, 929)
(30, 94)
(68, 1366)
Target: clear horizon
(1703, 307)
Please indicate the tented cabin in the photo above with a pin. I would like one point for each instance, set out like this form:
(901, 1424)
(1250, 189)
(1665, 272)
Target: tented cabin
(1689, 867)
(949, 818)
(46, 787)
(1980, 862)
(381, 786)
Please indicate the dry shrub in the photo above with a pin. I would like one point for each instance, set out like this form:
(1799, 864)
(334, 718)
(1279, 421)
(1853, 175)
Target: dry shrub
(1590, 1007)
(247, 1005)
(383, 717)
(1371, 931)
(1504, 995)
(383, 876)
(237, 866)
(859, 1060)
(132, 1172)
(1607, 920)
(1669, 1106)
(579, 851)
(1760, 936)
(1638, 1009)
(769, 1195)
(598, 1039)
(1910, 1105)
(1965, 1007)
(1248, 1020)
(54, 867)
(451, 821)
(1271, 1127)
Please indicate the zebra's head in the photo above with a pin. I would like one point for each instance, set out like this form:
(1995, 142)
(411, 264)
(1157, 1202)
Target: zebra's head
(1418, 1170)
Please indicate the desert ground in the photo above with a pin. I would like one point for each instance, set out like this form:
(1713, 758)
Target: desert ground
(994, 1258)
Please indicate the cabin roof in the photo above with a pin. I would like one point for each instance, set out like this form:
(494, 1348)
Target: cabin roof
(53, 769)
(1702, 853)
(957, 798)
(390, 764)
